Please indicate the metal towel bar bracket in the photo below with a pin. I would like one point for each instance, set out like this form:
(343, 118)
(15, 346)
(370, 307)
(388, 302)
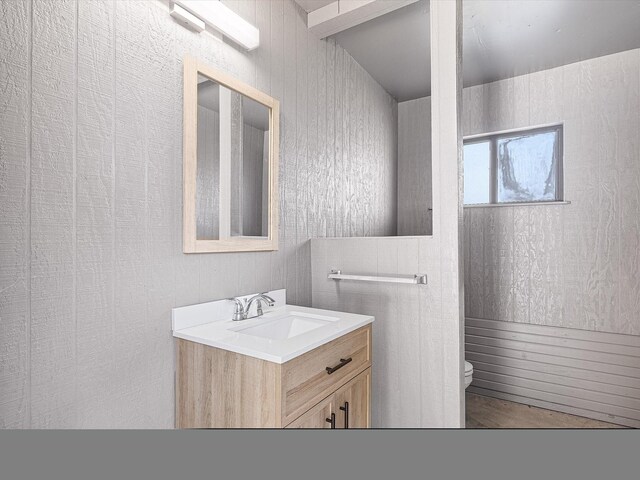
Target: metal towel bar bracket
(417, 279)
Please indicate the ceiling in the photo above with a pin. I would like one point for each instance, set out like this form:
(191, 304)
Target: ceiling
(501, 39)
(394, 49)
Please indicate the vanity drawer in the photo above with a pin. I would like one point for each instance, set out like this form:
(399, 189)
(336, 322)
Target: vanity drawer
(313, 376)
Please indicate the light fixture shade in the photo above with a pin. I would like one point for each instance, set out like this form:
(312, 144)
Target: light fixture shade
(223, 19)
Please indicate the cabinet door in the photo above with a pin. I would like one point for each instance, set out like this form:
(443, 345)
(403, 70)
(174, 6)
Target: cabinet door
(353, 402)
(319, 416)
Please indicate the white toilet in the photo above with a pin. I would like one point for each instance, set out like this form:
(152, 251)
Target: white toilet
(468, 374)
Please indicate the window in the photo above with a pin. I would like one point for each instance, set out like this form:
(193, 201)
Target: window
(514, 167)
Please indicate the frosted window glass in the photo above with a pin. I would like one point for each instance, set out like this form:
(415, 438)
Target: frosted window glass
(477, 172)
(527, 168)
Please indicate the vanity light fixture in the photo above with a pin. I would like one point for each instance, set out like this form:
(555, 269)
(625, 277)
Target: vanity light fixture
(215, 14)
(187, 19)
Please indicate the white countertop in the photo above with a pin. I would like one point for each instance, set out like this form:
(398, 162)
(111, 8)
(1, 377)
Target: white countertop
(227, 334)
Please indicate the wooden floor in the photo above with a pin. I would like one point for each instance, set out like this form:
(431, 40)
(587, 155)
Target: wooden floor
(487, 412)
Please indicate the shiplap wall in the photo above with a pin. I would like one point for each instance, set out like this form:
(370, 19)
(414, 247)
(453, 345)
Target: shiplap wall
(586, 373)
(90, 187)
(577, 265)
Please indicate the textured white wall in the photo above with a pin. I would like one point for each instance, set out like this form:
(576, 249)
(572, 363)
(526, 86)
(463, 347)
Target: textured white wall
(531, 269)
(410, 329)
(572, 265)
(418, 345)
(90, 184)
(414, 167)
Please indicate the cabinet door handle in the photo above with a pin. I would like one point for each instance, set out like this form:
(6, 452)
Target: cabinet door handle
(345, 409)
(343, 362)
(332, 421)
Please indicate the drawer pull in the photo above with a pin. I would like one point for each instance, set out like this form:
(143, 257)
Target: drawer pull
(332, 421)
(345, 409)
(343, 362)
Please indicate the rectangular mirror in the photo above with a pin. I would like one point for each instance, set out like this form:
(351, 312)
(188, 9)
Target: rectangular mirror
(230, 163)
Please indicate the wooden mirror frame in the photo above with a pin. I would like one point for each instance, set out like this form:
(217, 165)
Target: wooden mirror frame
(191, 244)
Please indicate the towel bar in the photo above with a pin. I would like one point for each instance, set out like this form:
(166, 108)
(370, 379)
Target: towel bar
(417, 279)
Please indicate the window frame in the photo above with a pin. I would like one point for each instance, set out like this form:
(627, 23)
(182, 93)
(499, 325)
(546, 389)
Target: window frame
(493, 138)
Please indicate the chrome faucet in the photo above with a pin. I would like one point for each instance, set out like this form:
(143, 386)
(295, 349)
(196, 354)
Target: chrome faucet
(241, 311)
(259, 298)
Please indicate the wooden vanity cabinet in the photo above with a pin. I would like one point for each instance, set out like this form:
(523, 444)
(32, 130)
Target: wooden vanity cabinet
(216, 388)
(353, 402)
(318, 416)
(349, 407)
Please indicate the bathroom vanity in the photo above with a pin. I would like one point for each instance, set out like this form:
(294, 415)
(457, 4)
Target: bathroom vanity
(293, 367)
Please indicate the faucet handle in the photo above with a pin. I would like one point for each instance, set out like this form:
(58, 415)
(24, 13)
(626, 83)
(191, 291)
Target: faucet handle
(238, 313)
(237, 300)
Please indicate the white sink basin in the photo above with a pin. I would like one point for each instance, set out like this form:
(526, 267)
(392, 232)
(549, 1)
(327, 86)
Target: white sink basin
(281, 334)
(286, 327)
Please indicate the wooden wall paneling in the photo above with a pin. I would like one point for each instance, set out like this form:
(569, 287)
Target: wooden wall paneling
(609, 97)
(15, 197)
(320, 179)
(406, 323)
(95, 203)
(446, 114)
(474, 282)
(331, 141)
(414, 167)
(314, 109)
(53, 354)
(521, 101)
(359, 218)
(302, 148)
(630, 210)
(568, 261)
(339, 141)
(367, 158)
(349, 171)
(290, 153)
(278, 86)
(106, 226)
(434, 402)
